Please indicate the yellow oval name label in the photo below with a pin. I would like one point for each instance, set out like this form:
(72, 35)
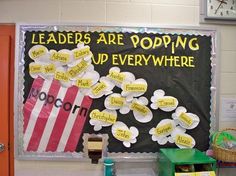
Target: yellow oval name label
(117, 101)
(84, 83)
(103, 116)
(97, 89)
(38, 52)
(117, 76)
(135, 87)
(183, 140)
(139, 108)
(61, 76)
(166, 102)
(79, 68)
(164, 129)
(123, 135)
(185, 119)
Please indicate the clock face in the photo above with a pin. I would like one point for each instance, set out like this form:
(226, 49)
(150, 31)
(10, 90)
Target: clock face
(221, 8)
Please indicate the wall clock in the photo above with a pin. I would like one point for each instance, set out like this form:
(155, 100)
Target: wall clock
(225, 9)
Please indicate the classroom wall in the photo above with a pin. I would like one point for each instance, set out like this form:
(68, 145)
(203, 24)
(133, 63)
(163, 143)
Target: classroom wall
(150, 12)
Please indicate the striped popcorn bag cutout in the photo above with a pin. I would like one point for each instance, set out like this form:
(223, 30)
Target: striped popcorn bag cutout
(54, 116)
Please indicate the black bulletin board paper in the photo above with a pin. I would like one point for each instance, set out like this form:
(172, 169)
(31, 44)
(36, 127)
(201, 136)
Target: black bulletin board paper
(189, 81)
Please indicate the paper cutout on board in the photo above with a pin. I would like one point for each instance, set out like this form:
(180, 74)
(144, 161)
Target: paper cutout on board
(184, 140)
(165, 103)
(87, 80)
(64, 65)
(140, 111)
(103, 87)
(162, 132)
(118, 77)
(116, 102)
(104, 118)
(125, 134)
(61, 57)
(54, 117)
(184, 119)
(132, 89)
(39, 53)
(159, 68)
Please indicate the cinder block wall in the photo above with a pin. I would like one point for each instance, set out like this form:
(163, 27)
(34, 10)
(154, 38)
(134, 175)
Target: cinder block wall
(149, 12)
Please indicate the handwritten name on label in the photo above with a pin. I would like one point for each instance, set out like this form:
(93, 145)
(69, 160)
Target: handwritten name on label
(185, 119)
(79, 68)
(166, 102)
(183, 140)
(61, 76)
(99, 88)
(49, 68)
(135, 87)
(61, 57)
(117, 101)
(80, 53)
(103, 116)
(209, 173)
(36, 68)
(116, 76)
(139, 108)
(164, 129)
(38, 52)
(84, 83)
(123, 135)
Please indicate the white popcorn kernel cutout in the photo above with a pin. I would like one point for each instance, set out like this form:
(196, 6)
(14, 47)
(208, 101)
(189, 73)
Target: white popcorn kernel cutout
(116, 102)
(61, 57)
(39, 53)
(86, 81)
(79, 69)
(103, 87)
(184, 119)
(62, 76)
(165, 103)
(141, 112)
(81, 52)
(136, 88)
(104, 118)
(35, 69)
(125, 134)
(118, 77)
(48, 71)
(162, 132)
(184, 140)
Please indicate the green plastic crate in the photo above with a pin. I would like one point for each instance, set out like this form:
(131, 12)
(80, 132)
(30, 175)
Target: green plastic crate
(170, 159)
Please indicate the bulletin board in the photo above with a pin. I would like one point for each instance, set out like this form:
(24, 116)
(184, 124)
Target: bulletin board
(143, 88)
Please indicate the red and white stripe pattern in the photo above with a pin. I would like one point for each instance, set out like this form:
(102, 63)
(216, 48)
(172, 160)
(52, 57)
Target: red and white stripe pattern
(54, 117)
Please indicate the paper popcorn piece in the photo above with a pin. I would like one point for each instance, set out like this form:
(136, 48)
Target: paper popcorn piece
(141, 112)
(103, 87)
(184, 119)
(133, 89)
(81, 52)
(184, 141)
(86, 81)
(162, 132)
(165, 103)
(61, 57)
(39, 53)
(62, 76)
(104, 118)
(125, 134)
(116, 102)
(118, 77)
